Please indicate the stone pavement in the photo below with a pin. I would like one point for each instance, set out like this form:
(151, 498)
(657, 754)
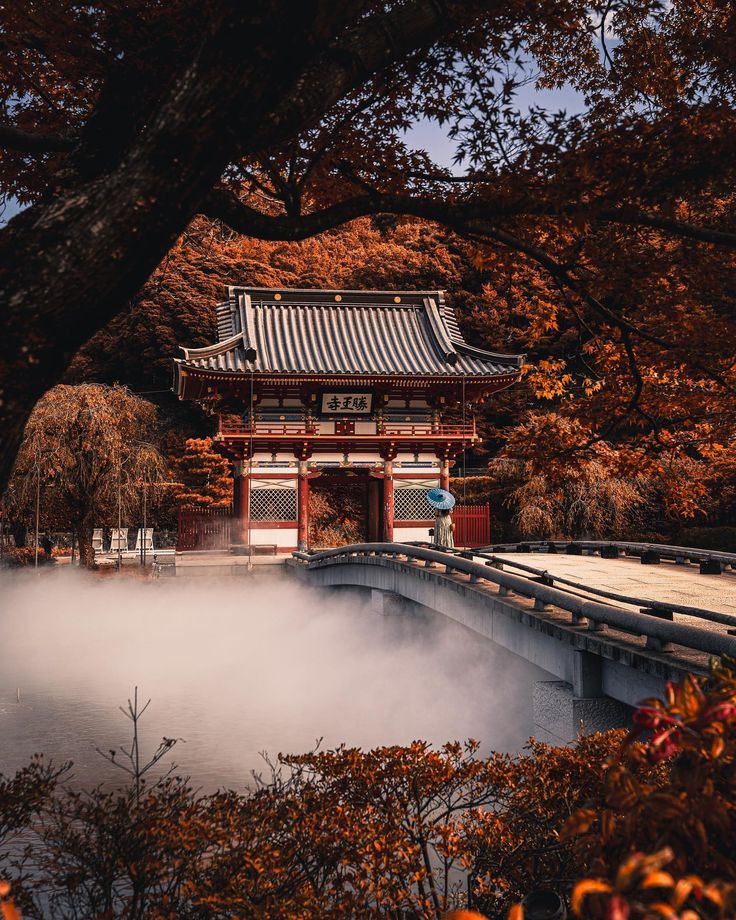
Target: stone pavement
(680, 584)
(215, 565)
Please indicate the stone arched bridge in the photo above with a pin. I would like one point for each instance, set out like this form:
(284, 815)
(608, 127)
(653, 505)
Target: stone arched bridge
(605, 649)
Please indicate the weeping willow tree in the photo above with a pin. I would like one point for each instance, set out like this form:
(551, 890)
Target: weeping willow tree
(88, 450)
(590, 502)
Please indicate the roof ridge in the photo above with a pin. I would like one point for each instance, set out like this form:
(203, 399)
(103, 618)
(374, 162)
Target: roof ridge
(453, 327)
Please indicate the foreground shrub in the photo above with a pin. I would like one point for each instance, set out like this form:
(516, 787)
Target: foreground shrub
(666, 848)
(624, 825)
(19, 556)
(343, 833)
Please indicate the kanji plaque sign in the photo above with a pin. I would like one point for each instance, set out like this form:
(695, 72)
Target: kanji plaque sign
(347, 403)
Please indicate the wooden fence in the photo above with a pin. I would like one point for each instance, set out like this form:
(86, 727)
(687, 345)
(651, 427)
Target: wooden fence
(472, 525)
(204, 529)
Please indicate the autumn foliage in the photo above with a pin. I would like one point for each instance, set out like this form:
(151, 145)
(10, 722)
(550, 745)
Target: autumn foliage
(87, 451)
(203, 476)
(623, 825)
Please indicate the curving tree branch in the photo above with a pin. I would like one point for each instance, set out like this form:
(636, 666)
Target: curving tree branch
(221, 204)
(34, 142)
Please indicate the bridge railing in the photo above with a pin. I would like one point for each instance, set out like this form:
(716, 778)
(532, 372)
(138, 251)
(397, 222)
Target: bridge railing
(660, 633)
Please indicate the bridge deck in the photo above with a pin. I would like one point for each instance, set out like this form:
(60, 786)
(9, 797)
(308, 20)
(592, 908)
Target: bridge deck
(627, 576)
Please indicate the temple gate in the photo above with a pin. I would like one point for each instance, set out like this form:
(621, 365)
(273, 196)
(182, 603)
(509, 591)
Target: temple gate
(327, 387)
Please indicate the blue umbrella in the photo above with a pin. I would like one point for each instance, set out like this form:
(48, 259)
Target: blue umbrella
(441, 499)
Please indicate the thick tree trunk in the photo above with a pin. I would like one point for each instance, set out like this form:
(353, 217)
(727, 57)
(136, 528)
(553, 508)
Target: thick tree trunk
(20, 534)
(85, 532)
(67, 266)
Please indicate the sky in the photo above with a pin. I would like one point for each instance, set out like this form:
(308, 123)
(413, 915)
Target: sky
(432, 137)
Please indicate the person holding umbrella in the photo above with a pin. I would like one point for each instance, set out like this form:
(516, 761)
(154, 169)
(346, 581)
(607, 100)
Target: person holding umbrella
(443, 502)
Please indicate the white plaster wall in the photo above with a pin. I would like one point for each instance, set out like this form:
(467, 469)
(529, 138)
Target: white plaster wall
(410, 533)
(281, 536)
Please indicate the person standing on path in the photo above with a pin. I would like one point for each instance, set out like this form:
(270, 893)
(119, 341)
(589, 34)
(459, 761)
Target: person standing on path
(443, 502)
(444, 529)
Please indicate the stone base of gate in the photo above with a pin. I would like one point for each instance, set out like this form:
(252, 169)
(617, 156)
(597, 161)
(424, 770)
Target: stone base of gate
(560, 716)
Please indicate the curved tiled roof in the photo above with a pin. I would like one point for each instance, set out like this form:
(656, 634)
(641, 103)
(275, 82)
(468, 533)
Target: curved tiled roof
(280, 331)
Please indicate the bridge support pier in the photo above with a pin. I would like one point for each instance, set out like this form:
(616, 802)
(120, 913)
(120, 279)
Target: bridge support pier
(389, 604)
(560, 715)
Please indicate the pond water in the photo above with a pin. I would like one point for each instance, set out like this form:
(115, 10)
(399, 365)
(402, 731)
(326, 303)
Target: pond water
(234, 668)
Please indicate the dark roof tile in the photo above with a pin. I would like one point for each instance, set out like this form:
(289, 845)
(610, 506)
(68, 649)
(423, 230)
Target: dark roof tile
(343, 332)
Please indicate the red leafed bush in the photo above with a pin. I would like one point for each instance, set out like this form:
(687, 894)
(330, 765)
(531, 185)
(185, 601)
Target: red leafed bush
(665, 848)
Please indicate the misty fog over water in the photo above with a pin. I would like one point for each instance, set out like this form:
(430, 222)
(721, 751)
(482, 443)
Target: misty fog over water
(236, 667)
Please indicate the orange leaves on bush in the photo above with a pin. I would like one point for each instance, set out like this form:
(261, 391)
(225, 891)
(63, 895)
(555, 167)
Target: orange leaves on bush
(639, 872)
(640, 866)
(10, 911)
(584, 889)
(623, 789)
(673, 790)
(658, 880)
(471, 915)
(7, 906)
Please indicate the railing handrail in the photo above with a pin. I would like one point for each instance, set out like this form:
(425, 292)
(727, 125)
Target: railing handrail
(642, 624)
(663, 549)
(267, 427)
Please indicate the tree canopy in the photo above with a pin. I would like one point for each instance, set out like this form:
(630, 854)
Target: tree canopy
(610, 230)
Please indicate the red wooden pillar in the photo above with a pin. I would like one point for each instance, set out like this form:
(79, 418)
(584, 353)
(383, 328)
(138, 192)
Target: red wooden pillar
(303, 507)
(235, 504)
(388, 501)
(241, 504)
(374, 510)
(445, 474)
